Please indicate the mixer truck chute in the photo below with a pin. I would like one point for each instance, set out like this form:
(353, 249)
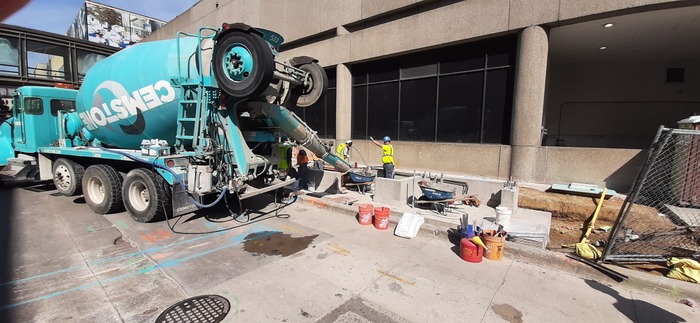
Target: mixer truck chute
(165, 127)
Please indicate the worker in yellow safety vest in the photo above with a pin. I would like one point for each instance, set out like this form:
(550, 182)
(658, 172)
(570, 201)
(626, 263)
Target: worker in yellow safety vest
(387, 156)
(343, 150)
(285, 157)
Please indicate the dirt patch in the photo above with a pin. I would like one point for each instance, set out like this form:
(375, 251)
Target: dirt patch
(570, 214)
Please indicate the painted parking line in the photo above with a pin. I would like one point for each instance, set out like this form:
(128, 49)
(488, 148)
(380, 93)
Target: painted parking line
(233, 241)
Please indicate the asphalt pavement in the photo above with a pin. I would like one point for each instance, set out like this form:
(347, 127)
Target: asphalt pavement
(59, 262)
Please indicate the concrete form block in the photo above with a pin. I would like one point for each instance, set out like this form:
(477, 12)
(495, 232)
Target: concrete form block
(325, 181)
(509, 198)
(393, 191)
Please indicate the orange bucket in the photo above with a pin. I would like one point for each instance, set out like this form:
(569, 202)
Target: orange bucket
(495, 244)
(365, 214)
(381, 218)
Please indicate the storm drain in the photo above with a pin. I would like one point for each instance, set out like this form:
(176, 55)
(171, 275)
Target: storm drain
(205, 308)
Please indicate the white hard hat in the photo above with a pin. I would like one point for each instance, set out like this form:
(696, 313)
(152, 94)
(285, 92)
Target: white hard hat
(348, 141)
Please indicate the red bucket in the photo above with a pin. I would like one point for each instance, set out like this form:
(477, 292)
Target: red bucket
(365, 215)
(381, 218)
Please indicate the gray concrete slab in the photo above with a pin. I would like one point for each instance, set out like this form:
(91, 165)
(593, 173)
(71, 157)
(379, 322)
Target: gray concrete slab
(301, 264)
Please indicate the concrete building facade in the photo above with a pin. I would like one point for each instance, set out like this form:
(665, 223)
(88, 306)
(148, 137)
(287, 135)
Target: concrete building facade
(546, 91)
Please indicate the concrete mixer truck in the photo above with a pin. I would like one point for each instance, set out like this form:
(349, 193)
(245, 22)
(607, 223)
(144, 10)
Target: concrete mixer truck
(167, 127)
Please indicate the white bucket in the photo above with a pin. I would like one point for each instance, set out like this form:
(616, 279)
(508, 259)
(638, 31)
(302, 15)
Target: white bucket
(503, 215)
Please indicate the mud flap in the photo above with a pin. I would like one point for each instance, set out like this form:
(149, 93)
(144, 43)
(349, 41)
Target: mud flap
(182, 202)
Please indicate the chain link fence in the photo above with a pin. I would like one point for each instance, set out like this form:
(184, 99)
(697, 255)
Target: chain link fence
(661, 215)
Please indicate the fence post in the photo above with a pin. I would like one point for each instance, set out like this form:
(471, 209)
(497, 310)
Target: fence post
(638, 183)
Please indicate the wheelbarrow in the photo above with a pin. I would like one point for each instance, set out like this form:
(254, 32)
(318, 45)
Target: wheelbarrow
(362, 181)
(440, 196)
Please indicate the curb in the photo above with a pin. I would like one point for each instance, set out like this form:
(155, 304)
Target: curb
(639, 281)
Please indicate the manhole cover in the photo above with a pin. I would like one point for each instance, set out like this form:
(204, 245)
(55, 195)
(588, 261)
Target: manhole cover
(205, 308)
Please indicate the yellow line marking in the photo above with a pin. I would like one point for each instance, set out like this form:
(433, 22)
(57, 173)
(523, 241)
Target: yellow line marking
(337, 249)
(293, 229)
(396, 278)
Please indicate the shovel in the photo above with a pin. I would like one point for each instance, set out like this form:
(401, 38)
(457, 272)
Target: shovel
(583, 248)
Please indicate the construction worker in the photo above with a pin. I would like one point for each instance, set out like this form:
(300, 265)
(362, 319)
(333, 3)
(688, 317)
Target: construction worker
(302, 169)
(285, 164)
(387, 156)
(344, 150)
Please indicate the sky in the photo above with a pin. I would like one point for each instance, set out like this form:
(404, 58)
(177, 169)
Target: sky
(56, 16)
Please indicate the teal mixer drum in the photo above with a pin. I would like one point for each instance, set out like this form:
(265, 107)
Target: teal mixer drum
(130, 95)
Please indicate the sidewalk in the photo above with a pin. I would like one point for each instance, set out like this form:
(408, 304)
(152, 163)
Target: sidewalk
(438, 225)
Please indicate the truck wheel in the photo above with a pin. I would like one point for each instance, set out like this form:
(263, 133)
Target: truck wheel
(145, 196)
(243, 64)
(67, 176)
(102, 189)
(317, 88)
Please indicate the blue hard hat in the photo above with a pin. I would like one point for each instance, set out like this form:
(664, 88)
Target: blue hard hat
(386, 138)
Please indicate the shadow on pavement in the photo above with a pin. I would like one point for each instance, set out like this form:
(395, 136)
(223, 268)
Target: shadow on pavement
(232, 213)
(6, 264)
(636, 310)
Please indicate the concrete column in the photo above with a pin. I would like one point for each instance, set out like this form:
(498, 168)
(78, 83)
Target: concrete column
(528, 105)
(343, 103)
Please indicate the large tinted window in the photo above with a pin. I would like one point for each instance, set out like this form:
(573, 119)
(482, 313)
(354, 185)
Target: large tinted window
(48, 61)
(9, 56)
(86, 60)
(418, 99)
(457, 94)
(383, 112)
(321, 115)
(359, 112)
(459, 108)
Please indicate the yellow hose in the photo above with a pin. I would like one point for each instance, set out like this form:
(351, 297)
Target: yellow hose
(595, 215)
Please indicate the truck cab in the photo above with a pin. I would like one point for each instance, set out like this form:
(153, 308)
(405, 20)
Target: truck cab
(34, 121)
(35, 116)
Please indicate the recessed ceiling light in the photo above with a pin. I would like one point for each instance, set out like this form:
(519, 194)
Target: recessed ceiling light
(603, 48)
(608, 25)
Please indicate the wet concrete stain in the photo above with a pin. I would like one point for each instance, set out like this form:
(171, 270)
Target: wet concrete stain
(322, 256)
(394, 287)
(397, 288)
(275, 244)
(508, 313)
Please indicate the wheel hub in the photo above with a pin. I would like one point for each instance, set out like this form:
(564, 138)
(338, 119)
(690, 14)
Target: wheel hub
(96, 190)
(139, 196)
(62, 177)
(238, 63)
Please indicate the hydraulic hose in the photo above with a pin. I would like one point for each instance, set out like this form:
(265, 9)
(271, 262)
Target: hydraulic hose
(167, 169)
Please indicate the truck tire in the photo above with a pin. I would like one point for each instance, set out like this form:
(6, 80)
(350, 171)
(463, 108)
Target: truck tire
(102, 189)
(243, 64)
(319, 86)
(67, 176)
(145, 195)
